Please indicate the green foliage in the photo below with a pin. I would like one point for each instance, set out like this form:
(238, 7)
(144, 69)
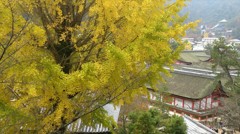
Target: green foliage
(175, 125)
(226, 58)
(224, 54)
(144, 122)
(174, 45)
(154, 122)
(11, 117)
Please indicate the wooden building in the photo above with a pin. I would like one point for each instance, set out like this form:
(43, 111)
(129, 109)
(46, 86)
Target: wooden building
(193, 93)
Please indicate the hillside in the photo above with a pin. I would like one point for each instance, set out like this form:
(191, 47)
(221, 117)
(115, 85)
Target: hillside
(210, 12)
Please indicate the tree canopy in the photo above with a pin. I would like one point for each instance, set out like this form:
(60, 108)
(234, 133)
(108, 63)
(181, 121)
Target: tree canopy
(144, 122)
(154, 122)
(62, 60)
(226, 56)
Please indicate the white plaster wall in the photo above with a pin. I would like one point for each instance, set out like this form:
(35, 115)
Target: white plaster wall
(215, 104)
(187, 104)
(178, 102)
(209, 101)
(152, 96)
(203, 103)
(196, 105)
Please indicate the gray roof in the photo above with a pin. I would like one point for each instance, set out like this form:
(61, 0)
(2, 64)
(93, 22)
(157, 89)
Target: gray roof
(194, 127)
(188, 84)
(78, 126)
(194, 56)
(197, 58)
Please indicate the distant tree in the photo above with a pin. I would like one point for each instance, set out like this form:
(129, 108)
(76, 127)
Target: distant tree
(185, 45)
(188, 45)
(227, 58)
(138, 104)
(174, 45)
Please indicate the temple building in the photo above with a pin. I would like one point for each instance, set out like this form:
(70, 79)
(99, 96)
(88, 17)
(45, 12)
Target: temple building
(192, 89)
(195, 94)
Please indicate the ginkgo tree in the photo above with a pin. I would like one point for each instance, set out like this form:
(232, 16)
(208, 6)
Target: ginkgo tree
(63, 60)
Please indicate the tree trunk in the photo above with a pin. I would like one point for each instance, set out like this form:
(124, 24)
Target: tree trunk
(62, 53)
(62, 130)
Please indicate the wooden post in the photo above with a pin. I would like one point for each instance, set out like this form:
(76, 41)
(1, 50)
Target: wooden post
(205, 103)
(200, 105)
(211, 101)
(192, 105)
(183, 103)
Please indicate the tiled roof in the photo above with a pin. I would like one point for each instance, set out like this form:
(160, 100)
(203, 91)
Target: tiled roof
(194, 127)
(79, 127)
(194, 56)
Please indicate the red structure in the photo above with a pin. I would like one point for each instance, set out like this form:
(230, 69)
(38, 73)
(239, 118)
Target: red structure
(195, 94)
(201, 108)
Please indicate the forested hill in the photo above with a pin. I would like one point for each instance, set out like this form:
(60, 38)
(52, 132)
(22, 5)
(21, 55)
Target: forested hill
(212, 11)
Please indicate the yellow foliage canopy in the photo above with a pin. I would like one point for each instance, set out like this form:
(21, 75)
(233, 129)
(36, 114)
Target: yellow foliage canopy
(62, 60)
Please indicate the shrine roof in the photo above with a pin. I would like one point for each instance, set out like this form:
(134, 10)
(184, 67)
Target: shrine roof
(194, 56)
(189, 85)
